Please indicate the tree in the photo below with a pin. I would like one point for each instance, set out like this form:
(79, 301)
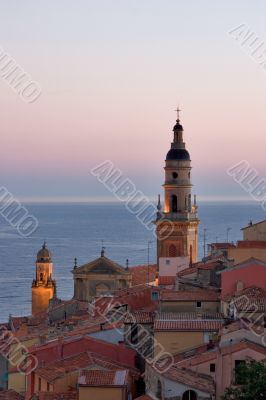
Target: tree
(250, 380)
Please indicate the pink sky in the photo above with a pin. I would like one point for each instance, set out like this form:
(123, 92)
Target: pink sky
(111, 77)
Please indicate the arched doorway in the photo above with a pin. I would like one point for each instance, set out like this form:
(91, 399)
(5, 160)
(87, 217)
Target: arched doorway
(174, 203)
(189, 395)
(172, 250)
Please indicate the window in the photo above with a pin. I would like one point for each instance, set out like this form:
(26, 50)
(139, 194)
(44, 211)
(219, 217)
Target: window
(174, 203)
(48, 387)
(167, 262)
(159, 390)
(212, 367)
(134, 334)
(172, 250)
(198, 304)
(175, 175)
(39, 384)
(189, 395)
(154, 295)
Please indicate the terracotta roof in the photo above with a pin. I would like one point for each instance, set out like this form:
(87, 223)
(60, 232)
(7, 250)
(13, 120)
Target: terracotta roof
(189, 325)
(249, 299)
(140, 317)
(140, 273)
(191, 379)
(71, 395)
(58, 369)
(251, 244)
(244, 344)
(103, 378)
(10, 395)
(189, 295)
(167, 280)
(188, 271)
(187, 316)
(187, 355)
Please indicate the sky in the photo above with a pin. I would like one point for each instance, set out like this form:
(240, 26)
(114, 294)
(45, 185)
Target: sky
(111, 75)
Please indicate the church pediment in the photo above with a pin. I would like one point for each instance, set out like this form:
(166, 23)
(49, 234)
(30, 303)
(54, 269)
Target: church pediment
(101, 265)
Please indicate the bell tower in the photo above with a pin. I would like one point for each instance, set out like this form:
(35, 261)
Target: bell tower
(177, 224)
(43, 286)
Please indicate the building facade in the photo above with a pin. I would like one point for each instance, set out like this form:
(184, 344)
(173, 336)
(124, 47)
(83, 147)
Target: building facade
(99, 277)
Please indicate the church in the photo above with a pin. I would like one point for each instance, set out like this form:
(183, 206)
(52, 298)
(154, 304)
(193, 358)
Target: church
(176, 227)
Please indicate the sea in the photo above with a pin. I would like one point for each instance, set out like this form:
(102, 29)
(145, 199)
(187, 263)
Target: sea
(80, 229)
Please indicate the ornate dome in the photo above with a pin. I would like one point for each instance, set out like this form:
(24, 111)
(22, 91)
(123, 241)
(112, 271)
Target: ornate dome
(178, 154)
(44, 254)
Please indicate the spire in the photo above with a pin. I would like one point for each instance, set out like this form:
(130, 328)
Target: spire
(102, 251)
(44, 244)
(127, 262)
(75, 263)
(159, 208)
(178, 114)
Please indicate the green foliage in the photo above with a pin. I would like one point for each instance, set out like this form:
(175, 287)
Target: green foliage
(251, 378)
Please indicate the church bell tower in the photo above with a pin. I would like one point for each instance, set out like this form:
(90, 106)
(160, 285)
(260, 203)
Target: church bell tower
(43, 286)
(177, 224)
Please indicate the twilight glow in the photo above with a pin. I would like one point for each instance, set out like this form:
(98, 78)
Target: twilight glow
(112, 73)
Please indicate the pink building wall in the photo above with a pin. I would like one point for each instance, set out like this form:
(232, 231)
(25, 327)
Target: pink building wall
(252, 275)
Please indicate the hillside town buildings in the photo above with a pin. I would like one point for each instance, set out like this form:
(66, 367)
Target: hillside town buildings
(174, 330)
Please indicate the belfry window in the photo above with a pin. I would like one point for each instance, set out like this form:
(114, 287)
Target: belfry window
(174, 203)
(172, 250)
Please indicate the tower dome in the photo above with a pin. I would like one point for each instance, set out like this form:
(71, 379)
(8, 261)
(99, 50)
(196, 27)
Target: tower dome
(178, 154)
(44, 255)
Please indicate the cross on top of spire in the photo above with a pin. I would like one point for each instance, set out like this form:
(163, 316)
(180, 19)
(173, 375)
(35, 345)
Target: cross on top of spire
(178, 113)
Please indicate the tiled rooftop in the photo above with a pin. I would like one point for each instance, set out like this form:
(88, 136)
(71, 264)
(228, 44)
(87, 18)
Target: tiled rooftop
(103, 378)
(189, 325)
(140, 317)
(251, 244)
(167, 280)
(140, 274)
(71, 395)
(190, 295)
(58, 369)
(191, 379)
(10, 395)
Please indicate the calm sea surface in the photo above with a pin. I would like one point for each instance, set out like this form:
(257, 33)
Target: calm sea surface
(76, 230)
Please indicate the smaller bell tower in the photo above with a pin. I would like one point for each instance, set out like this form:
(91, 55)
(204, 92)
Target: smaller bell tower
(43, 286)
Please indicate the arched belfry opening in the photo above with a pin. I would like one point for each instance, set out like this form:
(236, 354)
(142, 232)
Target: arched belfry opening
(174, 203)
(172, 251)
